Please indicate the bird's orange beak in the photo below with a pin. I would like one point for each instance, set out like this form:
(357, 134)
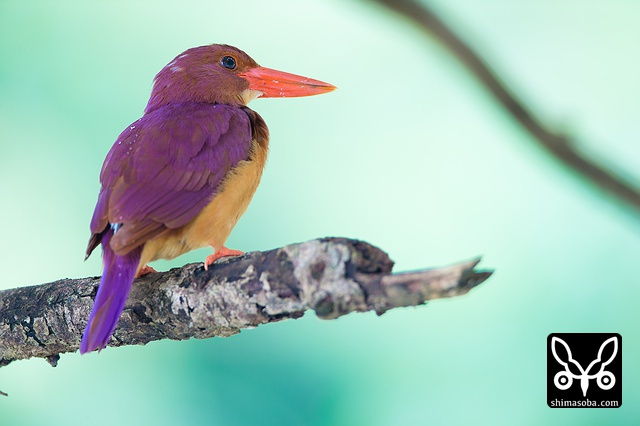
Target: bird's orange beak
(279, 84)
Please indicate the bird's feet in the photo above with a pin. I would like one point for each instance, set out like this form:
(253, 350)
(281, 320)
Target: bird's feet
(146, 269)
(223, 252)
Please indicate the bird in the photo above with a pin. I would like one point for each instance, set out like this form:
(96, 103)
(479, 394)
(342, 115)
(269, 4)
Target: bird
(181, 176)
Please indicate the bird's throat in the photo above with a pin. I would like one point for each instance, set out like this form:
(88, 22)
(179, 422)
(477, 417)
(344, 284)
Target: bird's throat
(248, 95)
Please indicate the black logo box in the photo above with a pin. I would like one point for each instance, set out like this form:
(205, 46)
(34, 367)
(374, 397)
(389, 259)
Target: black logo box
(584, 370)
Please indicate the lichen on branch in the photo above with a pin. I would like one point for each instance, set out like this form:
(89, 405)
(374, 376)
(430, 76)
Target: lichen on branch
(331, 276)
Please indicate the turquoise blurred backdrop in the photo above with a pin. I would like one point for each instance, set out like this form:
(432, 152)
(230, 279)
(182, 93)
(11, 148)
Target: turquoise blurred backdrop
(409, 154)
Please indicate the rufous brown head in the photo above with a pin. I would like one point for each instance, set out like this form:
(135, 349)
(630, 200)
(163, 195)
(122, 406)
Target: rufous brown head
(219, 73)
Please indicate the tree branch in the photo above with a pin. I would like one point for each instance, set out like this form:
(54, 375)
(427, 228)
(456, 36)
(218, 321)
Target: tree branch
(332, 276)
(562, 147)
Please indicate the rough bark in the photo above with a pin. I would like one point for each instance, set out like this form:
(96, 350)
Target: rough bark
(332, 276)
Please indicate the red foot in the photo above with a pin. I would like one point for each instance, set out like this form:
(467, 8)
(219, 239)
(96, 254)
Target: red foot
(223, 252)
(146, 269)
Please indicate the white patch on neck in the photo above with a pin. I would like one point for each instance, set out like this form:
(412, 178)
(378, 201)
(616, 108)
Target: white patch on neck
(248, 95)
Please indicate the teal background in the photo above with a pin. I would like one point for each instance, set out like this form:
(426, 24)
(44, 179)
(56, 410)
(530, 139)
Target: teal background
(409, 154)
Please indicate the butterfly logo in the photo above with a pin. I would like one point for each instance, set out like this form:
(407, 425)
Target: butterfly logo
(595, 370)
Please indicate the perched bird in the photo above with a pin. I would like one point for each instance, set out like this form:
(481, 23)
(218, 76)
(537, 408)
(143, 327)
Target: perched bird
(180, 177)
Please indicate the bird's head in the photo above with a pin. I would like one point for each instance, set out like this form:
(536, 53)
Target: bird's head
(219, 73)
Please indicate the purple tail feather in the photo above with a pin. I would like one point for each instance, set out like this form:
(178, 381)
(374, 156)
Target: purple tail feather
(117, 277)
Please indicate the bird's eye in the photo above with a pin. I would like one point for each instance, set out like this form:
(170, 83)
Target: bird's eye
(228, 62)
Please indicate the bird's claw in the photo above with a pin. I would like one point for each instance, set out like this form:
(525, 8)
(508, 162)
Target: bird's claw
(146, 269)
(223, 252)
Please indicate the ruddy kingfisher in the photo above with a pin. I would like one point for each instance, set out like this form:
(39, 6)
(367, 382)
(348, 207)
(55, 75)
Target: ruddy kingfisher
(180, 177)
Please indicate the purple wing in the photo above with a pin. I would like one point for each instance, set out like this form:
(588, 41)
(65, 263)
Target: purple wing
(165, 168)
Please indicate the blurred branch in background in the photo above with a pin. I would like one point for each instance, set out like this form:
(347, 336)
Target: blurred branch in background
(332, 276)
(560, 146)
